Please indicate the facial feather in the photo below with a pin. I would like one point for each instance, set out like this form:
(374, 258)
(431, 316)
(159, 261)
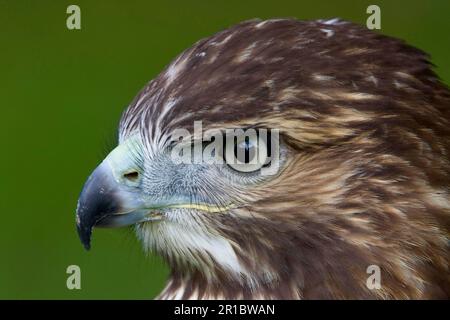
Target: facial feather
(366, 174)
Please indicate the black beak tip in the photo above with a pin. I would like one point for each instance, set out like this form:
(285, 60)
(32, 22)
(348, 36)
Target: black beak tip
(85, 236)
(84, 233)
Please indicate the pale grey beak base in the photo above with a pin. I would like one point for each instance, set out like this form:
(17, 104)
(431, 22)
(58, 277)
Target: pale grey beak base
(124, 219)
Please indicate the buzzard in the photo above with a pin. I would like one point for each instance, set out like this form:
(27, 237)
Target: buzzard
(363, 177)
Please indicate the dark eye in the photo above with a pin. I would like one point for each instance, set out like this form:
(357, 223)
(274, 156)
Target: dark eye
(245, 150)
(246, 153)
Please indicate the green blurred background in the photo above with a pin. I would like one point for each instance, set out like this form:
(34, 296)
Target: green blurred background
(61, 96)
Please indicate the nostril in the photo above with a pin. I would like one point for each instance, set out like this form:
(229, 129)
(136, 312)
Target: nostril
(132, 176)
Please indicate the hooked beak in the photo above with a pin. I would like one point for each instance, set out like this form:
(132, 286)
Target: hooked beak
(112, 196)
(106, 203)
(109, 199)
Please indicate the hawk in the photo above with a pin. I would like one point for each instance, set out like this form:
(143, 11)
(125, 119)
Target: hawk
(363, 178)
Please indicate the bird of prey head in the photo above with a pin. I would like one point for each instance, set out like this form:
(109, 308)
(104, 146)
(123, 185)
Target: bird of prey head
(363, 171)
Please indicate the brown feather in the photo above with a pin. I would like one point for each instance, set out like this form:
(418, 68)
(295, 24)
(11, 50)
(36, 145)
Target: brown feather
(367, 182)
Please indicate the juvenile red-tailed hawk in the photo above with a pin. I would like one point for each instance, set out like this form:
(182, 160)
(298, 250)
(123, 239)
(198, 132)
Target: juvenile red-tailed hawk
(363, 178)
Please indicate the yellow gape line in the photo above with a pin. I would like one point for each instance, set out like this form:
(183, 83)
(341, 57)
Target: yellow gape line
(203, 207)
